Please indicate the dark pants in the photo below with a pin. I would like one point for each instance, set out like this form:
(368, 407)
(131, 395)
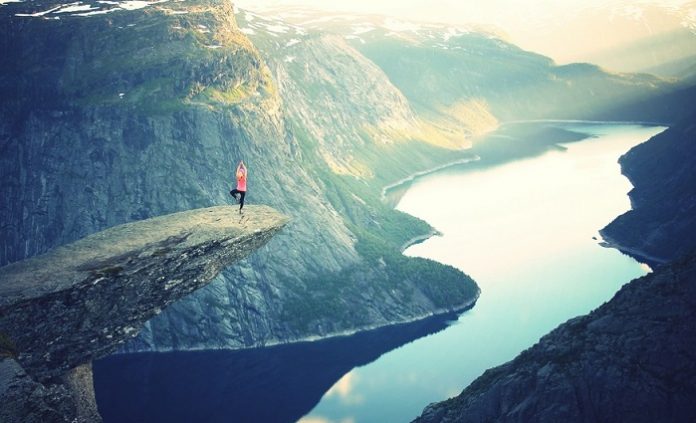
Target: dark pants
(242, 194)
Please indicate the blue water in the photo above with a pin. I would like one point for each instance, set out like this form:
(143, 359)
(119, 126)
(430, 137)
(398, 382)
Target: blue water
(523, 230)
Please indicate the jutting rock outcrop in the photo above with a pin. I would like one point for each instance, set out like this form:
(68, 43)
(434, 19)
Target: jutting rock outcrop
(662, 219)
(631, 360)
(78, 302)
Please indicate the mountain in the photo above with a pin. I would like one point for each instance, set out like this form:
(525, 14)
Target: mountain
(683, 68)
(459, 74)
(113, 113)
(664, 53)
(659, 227)
(628, 360)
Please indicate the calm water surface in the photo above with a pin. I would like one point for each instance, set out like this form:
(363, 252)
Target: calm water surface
(523, 230)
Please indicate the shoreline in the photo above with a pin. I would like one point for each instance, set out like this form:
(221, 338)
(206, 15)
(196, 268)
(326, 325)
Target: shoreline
(420, 238)
(589, 122)
(440, 312)
(412, 177)
(475, 158)
(637, 255)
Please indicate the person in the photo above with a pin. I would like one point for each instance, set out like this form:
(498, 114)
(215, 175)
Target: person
(241, 185)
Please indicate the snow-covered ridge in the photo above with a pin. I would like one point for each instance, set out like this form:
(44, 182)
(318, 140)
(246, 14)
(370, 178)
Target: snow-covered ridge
(295, 22)
(86, 8)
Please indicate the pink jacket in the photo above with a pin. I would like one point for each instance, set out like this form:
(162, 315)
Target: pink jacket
(241, 180)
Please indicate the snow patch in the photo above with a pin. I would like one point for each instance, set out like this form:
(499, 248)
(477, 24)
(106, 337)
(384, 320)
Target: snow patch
(451, 32)
(75, 7)
(213, 47)
(354, 37)
(289, 59)
(138, 4)
(362, 29)
(97, 12)
(247, 31)
(396, 25)
(292, 42)
(281, 29)
(37, 14)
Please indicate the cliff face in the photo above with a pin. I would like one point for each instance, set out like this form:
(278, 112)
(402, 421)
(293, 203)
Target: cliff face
(629, 360)
(124, 115)
(62, 309)
(341, 97)
(662, 223)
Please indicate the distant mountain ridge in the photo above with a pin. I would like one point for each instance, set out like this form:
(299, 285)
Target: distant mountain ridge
(456, 74)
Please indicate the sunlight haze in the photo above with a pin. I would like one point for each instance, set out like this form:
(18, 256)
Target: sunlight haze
(567, 31)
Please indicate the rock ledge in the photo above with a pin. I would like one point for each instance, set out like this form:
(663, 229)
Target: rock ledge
(76, 303)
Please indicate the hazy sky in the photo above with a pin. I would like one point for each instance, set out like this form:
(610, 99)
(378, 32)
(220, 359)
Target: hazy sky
(566, 30)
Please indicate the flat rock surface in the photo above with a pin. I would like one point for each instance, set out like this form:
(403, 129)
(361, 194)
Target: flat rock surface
(77, 302)
(67, 265)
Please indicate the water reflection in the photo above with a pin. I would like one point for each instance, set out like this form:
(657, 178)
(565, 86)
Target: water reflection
(275, 384)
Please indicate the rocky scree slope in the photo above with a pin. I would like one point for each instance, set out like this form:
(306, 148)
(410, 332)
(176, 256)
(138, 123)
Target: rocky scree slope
(132, 114)
(629, 360)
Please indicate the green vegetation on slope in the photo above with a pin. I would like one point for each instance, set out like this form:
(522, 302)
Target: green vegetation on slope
(385, 274)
